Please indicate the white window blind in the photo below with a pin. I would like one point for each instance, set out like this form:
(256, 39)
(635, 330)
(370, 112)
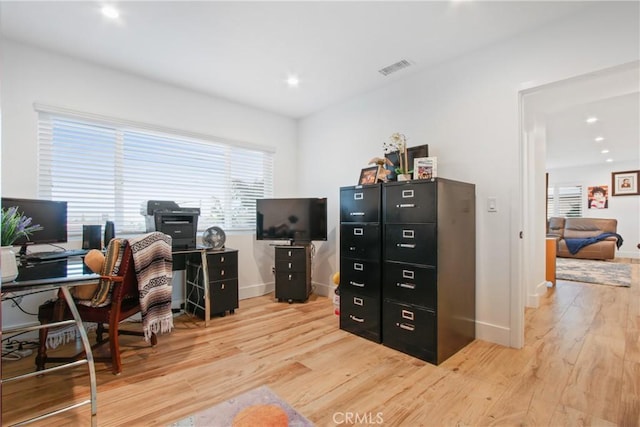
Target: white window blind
(108, 171)
(565, 201)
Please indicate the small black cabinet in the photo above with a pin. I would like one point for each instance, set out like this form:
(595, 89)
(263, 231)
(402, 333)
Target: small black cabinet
(222, 268)
(293, 273)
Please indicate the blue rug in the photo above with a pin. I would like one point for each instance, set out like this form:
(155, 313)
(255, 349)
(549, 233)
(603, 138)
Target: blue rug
(257, 407)
(598, 272)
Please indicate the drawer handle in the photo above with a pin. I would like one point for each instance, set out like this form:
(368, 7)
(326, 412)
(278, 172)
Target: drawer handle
(289, 277)
(222, 287)
(356, 319)
(407, 194)
(406, 205)
(222, 272)
(289, 253)
(360, 285)
(406, 245)
(289, 266)
(358, 196)
(358, 231)
(407, 274)
(408, 234)
(406, 327)
(357, 266)
(356, 213)
(358, 301)
(406, 314)
(406, 285)
(221, 259)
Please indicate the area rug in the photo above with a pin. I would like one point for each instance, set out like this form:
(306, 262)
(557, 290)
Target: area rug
(598, 272)
(255, 408)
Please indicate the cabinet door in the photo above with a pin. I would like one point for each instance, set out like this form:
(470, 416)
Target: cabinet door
(360, 276)
(409, 329)
(411, 284)
(360, 204)
(411, 243)
(360, 241)
(410, 202)
(360, 314)
(224, 295)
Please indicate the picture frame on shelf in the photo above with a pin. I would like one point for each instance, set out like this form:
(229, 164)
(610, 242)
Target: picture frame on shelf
(394, 158)
(369, 175)
(416, 152)
(625, 183)
(425, 167)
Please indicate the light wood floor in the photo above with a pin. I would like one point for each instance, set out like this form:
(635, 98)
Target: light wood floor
(580, 366)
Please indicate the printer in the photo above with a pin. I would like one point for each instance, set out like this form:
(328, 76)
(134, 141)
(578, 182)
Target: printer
(169, 218)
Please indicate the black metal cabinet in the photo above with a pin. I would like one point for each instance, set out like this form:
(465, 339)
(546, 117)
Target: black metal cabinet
(293, 273)
(428, 286)
(360, 257)
(222, 268)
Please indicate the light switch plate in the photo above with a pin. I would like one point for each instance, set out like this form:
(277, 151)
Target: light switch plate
(492, 204)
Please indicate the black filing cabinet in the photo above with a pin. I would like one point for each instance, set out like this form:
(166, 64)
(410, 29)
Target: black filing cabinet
(293, 273)
(360, 260)
(428, 287)
(222, 267)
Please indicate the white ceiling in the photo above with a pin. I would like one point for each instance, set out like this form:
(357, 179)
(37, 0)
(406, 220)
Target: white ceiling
(244, 51)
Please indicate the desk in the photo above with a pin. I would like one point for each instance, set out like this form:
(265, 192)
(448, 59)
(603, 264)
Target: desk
(44, 276)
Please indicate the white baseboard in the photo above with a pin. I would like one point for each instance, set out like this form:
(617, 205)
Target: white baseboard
(256, 290)
(493, 333)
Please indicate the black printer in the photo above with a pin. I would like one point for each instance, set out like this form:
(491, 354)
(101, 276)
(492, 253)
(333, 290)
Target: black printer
(169, 218)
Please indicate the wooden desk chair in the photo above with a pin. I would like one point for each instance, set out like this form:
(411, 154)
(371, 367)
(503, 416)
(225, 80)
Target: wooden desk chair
(125, 302)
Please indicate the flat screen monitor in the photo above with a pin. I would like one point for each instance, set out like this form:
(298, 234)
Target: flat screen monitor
(296, 220)
(50, 215)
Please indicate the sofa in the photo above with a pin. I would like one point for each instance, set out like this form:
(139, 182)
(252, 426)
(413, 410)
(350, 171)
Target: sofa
(587, 238)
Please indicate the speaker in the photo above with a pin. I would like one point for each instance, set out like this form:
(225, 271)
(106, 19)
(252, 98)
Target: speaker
(91, 238)
(109, 232)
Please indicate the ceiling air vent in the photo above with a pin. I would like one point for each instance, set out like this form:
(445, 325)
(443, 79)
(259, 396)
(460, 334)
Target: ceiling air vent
(395, 67)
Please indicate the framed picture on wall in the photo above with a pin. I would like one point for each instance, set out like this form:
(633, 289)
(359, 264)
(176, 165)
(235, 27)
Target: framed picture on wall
(625, 183)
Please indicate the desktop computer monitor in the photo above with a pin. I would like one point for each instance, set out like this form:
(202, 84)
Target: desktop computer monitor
(49, 214)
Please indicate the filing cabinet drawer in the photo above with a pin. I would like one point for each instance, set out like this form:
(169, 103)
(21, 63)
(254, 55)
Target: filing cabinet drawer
(410, 202)
(408, 283)
(409, 329)
(360, 276)
(360, 315)
(296, 255)
(411, 243)
(360, 204)
(287, 265)
(360, 241)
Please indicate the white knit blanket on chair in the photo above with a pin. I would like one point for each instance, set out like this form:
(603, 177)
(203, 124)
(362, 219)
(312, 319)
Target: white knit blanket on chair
(153, 264)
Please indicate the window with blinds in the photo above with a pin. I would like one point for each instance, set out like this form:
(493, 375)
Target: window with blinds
(108, 172)
(564, 201)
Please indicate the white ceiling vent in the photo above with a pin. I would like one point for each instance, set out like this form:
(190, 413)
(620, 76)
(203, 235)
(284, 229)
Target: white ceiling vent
(395, 67)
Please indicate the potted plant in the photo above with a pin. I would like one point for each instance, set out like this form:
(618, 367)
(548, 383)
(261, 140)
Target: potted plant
(398, 143)
(14, 225)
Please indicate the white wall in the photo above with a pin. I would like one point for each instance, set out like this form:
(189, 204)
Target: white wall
(626, 209)
(31, 76)
(467, 111)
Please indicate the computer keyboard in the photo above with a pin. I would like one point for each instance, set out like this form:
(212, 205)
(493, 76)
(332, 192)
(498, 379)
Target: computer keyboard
(54, 255)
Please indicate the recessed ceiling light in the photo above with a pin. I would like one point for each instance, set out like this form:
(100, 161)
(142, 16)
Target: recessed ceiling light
(609, 160)
(599, 139)
(605, 151)
(293, 81)
(110, 12)
(591, 120)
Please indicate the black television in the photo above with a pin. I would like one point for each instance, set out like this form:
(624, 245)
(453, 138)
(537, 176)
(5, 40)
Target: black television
(49, 214)
(297, 220)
